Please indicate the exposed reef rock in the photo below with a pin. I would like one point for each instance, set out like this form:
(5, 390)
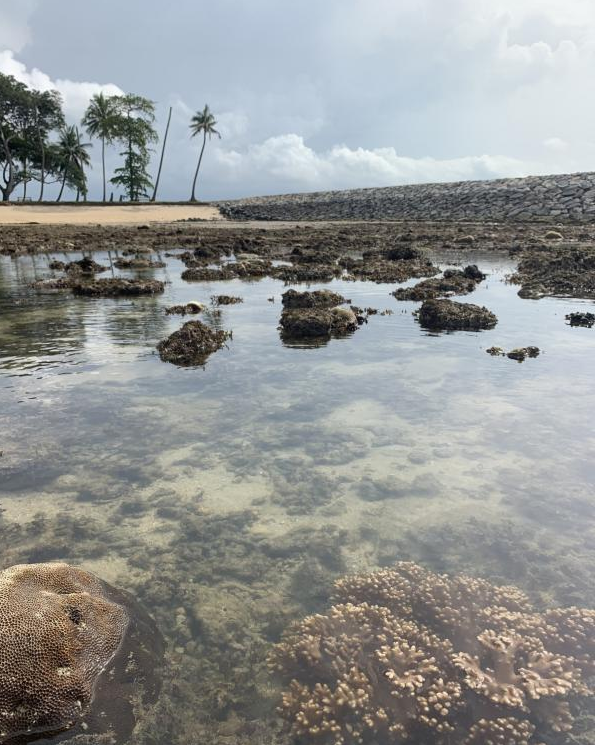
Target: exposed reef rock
(317, 299)
(450, 315)
(521, 353)
(581, 319)
(386, 270)
(86, 265)
(138, 262)
(76, 655)
(192, 344)
(557, 270)
(452, 282)
(232, 270)
(118, 286)
(225, 299)
(317, 323)
(191, 308)
(409, 656)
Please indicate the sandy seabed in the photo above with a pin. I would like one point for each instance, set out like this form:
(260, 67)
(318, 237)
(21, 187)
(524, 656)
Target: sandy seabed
(116, 214)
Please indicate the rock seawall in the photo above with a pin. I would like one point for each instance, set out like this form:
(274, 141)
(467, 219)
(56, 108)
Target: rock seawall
(568, 197)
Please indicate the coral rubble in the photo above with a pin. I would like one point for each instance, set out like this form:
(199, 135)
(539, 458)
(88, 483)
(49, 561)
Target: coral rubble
(192, 344)
(409, 656)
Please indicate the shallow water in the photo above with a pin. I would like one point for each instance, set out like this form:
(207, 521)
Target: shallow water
(229, 497)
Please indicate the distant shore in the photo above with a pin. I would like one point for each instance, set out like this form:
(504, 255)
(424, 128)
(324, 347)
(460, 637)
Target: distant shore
(103, 214)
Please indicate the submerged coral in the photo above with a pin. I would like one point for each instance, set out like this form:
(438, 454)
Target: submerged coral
(450, 315)
(192, 344)
(408, 656)
(62, 631)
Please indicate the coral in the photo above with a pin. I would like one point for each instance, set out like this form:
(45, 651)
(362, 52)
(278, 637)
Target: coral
(317, 322)
(447, 314)
(192, 344)
(118, 286)
(58, 632)
(406, 655)
(453, 282)
(317, 299)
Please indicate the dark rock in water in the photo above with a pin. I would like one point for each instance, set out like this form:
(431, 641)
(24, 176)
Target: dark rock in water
(453, 282)
(522, 353)
(450, 315)
(299, 323)
(226, 300)
(85, 265)
(316, 299)
(496, 352)
(556, 270)
(471, 271)
(78, 658)
(581, 319)
(191, 308)
(118, 286)
(403, 253)
(192, 344)
(306, 272)
(58, 266)
(138, 262)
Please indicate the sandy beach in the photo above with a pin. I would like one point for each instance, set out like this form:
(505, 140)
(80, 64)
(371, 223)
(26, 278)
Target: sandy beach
(65, 214)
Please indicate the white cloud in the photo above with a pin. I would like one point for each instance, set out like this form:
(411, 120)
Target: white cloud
(287, 160)
(556, 144)
(76, 95)
(14, 23)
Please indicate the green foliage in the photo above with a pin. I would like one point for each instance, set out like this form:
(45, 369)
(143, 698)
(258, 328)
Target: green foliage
(69, 158)
(27, 118)
(133, 127)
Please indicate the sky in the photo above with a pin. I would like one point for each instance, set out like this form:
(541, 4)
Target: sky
(327, 94)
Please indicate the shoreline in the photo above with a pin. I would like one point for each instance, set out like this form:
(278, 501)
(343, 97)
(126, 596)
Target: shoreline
(104, 214)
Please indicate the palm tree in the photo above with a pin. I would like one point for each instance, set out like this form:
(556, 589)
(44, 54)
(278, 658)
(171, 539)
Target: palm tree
(100, 121)
(72, 157)
(203, 121)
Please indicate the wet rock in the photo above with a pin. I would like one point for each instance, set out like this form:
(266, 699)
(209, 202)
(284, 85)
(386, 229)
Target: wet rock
(581, 319)
(382, 270)
(557, 271)
(453, 282)
(225, 299)
(57, 266)
(138, 263)
(553, 235)
(192, 344)
(306, 272)
(520, 354)
(465, 240)
(316, 299)
(450, 315)
(85, 265)
(299, 323)
(496, 351)
(191, 308)
(118, 286)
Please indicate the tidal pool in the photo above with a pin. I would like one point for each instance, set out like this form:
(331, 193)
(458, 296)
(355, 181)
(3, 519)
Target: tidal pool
(228, 498)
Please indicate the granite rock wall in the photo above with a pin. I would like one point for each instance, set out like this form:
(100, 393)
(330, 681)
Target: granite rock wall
(563, 198)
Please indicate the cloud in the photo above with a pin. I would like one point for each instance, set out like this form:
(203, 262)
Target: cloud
(75, 95)
(15, 31)
(286, 160)
(556, 144)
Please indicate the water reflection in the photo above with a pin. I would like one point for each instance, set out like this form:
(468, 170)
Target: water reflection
(228, 498)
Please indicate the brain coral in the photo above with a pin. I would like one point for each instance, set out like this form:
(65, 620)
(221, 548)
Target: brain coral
(409, 656)
(60, 628)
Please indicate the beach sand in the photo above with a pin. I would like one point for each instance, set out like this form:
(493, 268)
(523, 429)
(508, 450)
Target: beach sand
(11, 214)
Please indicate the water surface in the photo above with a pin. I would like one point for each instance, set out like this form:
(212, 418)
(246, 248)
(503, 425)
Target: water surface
(229, 497)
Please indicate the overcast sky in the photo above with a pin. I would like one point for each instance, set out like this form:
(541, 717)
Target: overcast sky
(321, 94)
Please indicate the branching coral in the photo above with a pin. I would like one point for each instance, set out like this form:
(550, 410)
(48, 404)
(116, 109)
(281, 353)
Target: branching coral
(407, 656)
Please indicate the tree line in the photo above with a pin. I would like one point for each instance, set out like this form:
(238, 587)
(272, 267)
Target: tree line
(37, 145)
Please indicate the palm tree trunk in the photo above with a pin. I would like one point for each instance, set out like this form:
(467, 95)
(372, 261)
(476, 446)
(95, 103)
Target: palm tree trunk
(204, 142)
(62, 187)
(161, 159)
(25, 180)
(42, 148)
(103, 163)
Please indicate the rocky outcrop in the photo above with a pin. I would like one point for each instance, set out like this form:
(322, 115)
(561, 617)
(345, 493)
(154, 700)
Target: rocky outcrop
(567, 197)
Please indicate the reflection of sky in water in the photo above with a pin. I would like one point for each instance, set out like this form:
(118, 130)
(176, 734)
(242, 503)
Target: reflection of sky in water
(413, 444)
